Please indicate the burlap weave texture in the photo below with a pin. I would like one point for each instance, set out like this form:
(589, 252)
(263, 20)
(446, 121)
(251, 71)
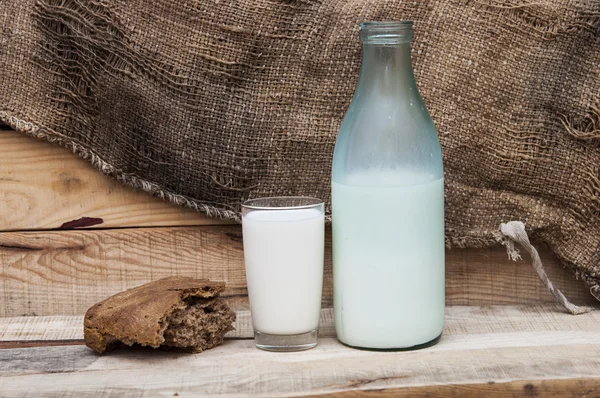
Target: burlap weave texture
(208, 103)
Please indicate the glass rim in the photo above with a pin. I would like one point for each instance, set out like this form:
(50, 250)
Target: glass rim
(263, 203)
(386, 32)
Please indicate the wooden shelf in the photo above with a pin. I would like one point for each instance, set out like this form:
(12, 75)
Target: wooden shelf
(506, 350)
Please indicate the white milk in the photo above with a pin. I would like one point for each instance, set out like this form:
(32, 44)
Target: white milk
(388, 259)
(283, 252)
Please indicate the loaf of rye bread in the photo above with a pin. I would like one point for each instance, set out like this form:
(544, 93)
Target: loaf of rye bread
(179, 313)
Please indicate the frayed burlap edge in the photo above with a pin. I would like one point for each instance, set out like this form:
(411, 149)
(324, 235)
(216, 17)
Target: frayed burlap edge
(135, 182)
(130, 180)
(34, 130)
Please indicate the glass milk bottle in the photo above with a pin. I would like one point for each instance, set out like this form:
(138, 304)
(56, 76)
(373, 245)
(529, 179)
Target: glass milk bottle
(388, 204)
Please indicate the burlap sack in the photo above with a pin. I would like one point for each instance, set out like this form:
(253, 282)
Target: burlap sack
(208, 103)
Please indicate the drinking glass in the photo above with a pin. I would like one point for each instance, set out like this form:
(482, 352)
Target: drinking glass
(283, 253)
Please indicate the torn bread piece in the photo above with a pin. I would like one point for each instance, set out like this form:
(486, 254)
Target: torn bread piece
(179, 313)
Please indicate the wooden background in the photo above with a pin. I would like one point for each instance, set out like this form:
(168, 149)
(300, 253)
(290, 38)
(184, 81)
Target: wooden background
(503, 335)
(49, 271)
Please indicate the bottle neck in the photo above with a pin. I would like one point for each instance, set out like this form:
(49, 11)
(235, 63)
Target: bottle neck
(386, 69)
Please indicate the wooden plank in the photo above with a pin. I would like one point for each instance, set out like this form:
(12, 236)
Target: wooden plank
(534, 350)
(43, 186)
(70, 327)
(64, 273)
(38, 343)
(573, 387)
(488, 277)
(474, 320)
(52, 273)
(41, 328)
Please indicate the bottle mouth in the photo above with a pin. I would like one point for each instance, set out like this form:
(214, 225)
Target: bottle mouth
(386, 32)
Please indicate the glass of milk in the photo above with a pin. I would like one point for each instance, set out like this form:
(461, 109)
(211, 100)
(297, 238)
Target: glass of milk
(283, 253)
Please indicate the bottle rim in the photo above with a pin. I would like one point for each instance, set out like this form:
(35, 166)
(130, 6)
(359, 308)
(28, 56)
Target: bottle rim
(386, 32)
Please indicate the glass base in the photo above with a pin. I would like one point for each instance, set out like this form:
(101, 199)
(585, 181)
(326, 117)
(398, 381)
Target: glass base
(286, 343)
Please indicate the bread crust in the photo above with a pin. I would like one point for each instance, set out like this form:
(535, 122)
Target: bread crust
(139, 315)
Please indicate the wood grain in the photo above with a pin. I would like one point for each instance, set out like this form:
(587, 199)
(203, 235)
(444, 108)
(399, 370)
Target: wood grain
(571, 387)
(526, 351)
(474, 320)
(70, 327)
(64, 273)
(43, 186)
(38, 343)
(52, 273)
(41, 328)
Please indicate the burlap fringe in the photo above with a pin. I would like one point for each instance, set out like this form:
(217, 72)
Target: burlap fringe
(588, 129)
(508, 234)
(514, 232)
(130, 180)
